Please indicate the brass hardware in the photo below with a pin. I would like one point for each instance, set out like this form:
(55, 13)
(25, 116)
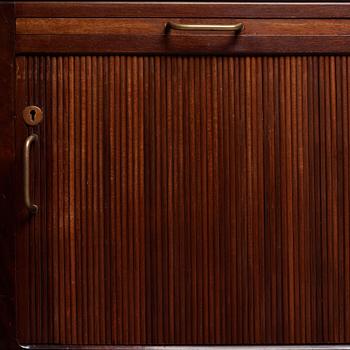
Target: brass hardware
(33, 209)
(213, 27)
(32, 115)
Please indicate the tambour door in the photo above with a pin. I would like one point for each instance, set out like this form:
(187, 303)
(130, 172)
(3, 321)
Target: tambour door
(192, 186)
(185, 200)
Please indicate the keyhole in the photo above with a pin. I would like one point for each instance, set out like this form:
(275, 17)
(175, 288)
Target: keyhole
(32, 113)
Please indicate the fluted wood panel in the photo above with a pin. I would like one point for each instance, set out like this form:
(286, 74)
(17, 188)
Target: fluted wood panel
(187, 200)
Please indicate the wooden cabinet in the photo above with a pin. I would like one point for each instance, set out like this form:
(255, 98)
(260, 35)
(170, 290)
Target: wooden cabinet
(193, 186)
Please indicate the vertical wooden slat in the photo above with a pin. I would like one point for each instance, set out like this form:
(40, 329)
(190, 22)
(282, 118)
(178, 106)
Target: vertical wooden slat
(295, 195)
(346, 242)
(65, 190)
(309, 112)
(249, 198)
(283, 196)
(170, 188)
(334, 193)
(147, 201)
(261, 220)
(204, 189)
(37, 258)
(114, 298)
(44, 261)
(323, 191)
(93, 201)
(300, 259)
(317, 199)
(104, 201)
(149, 179)
(141, 202)
(77, 198)
(123, 189)
(226, 262)
(340, 198)
(256, 192)
(91, 265)
(118, 210)
(329, 285)
(181, 224)
(72, 196)
(32, 263)
(346, 115)
(192, 209)
(53, 189)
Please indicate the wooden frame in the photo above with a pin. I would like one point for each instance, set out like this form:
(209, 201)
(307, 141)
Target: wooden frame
(202, 347)
(7, 155)
(182, 9)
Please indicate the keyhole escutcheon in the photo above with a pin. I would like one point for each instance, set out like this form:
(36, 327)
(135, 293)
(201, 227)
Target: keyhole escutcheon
(32, 115)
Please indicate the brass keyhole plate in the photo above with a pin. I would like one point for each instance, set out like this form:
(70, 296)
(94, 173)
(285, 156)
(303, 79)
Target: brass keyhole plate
(32, 115)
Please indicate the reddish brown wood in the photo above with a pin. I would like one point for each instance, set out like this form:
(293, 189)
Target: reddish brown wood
(145, 35)
(200, 44)
(153, 26)
(270, 28)
(186, 200)
(7, 185)
(183, 199)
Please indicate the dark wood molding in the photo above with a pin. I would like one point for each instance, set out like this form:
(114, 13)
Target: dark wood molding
(182, 9)
(7, 260)
(205, 347)
(157, 26)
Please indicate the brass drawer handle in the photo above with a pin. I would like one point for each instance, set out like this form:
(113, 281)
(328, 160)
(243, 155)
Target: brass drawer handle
(33, 209)
(213, 27)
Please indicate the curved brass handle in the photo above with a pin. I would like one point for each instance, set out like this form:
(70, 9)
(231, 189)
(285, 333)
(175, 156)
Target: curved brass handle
(33, 209)
(213, 27)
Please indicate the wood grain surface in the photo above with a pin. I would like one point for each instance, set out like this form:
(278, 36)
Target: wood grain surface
(153, 26)
(138, 28)
(186, 200)
(259, 9)
(149, 35)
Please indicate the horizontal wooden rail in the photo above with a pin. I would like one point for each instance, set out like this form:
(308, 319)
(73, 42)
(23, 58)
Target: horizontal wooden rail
(181, 9)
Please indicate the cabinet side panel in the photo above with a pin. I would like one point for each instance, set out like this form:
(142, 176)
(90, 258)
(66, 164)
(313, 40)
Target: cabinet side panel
(7, 234)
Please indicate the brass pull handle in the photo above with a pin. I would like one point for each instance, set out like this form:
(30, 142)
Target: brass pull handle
(33, 209)
(213, 27)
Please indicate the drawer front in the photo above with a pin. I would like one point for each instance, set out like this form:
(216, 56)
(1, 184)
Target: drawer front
(114, 28)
